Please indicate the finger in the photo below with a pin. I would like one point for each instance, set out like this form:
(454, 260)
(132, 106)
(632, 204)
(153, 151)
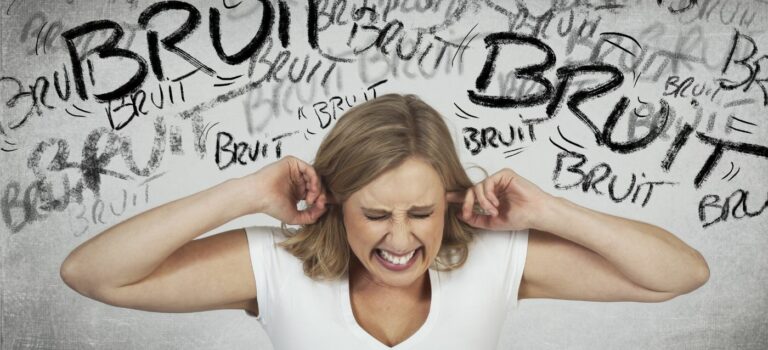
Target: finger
(484, 203)
(312, 213)
(489, 188)
(454, 197)
(311, 178)
(294, 173)
(477, 220)
(469, 201)
(318, 209)
(306, 181)
(308, 184)
(300, 189)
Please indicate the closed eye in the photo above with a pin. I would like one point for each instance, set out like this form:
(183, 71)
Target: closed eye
(379, 218)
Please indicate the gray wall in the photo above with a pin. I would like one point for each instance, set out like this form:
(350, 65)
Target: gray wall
(73, 166)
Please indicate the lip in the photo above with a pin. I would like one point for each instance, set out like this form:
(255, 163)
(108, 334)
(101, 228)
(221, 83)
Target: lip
(397, 268)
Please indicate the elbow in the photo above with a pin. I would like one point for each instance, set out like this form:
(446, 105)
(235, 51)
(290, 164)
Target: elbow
(69, 275)
(701, 274)
(84, 283)
(697, 277)
(73, 276)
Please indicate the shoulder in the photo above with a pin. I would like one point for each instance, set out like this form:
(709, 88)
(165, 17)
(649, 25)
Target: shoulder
(264, 249)
(495, 261)
(269, 235)
(500, 251)
(267, 230)
(487, 239)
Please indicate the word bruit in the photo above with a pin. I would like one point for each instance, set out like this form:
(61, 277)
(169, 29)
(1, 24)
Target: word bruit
(109, 49)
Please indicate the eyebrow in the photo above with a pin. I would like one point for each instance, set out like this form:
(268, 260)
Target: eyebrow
(413, 208)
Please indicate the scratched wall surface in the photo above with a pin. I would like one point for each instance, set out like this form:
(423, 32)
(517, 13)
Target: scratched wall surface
(654, 110)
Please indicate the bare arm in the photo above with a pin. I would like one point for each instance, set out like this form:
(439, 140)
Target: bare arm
(581, 254)
(152, 262)
(113, 262)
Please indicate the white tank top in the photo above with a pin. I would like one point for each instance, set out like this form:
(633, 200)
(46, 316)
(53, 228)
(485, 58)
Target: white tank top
(468, 308)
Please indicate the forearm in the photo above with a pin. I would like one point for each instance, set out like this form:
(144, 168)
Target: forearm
(131, 250)
(648, 255)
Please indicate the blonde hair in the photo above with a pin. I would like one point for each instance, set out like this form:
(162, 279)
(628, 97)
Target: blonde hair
(368, 140)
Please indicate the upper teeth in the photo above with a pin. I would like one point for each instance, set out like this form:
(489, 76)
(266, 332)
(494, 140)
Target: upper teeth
(399, 260)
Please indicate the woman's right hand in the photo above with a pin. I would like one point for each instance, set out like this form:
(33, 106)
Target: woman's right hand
(278, 187)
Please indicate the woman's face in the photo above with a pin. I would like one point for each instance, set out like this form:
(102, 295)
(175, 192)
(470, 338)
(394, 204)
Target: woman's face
(395, 223)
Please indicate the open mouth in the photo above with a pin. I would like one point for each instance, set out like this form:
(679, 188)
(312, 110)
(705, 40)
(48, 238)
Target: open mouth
(397, 262)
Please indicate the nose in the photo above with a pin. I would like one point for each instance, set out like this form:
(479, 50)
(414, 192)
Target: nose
(400, 236)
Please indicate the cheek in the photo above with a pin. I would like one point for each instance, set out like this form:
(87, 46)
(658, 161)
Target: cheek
(433, 229)
(362, 234)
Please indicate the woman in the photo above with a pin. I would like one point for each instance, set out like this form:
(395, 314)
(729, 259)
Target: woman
(397, 247)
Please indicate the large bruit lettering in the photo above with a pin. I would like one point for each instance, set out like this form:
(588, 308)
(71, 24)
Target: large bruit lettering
(105, 50)
(532, 72)
(554, 98)
(170, 41)
(267, 20)
(108, 49)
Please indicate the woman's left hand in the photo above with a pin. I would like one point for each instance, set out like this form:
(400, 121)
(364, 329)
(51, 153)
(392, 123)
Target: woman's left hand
(506, 200)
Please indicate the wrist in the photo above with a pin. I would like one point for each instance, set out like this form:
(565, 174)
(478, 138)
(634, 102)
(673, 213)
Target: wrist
(245, 195)
(550, 213)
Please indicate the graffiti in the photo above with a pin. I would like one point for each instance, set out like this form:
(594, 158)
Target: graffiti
(229, 152)
(589, 181)
(37, 97)
(54, 169)
(388, 41)
(392, 37)
(41, 34)
(746, 63)
(136, 104)
(732, 13)
(326, 111)
(171, 43)
(678, 6)
(720, 147)
(476, 140)
(88, 215)
(654, 109)
(677, 88)
(554, 96)
(735, 206)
